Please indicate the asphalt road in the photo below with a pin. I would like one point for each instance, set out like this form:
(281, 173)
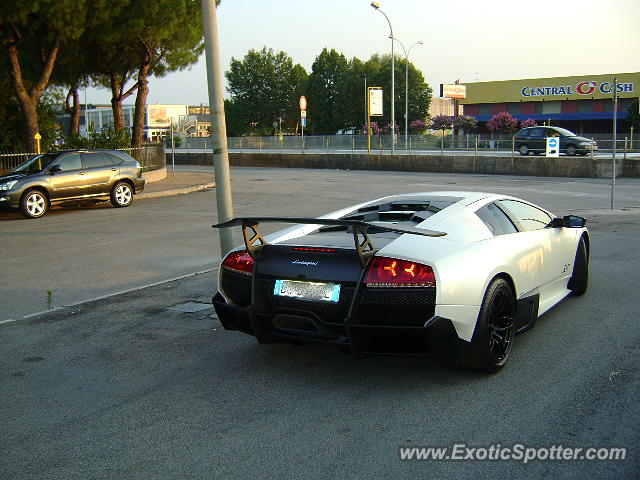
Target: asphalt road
(133, 387)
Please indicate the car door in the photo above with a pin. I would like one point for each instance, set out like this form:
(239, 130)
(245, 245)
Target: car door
(98, 173)
(67, 178)
(537, 141)
(553, 245)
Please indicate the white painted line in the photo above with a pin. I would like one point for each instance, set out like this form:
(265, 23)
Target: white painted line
(109, 295)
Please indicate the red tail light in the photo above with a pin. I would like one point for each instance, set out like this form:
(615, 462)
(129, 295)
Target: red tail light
(391, 272)
(239, 261)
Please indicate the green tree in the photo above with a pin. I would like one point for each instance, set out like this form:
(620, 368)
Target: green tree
(633, 116)
(144, 39)
(327, 89)
(378, 69)
(33, 35)
(264, 86)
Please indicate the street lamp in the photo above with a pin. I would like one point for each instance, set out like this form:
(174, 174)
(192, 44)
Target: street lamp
(376, 6)
(406, 89)
(366, 101)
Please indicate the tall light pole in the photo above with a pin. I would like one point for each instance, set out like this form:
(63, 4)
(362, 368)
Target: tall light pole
(376, 6)
(218, 124)
(406, 88)
(366, 101)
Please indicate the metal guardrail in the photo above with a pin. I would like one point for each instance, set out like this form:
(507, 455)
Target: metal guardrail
(383, 143)
(151, 157)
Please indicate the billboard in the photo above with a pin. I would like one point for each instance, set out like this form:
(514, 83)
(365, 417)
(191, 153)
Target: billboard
(448, 90)
(375, 101)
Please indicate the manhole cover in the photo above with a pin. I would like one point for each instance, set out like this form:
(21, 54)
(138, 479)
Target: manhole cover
(189, 307)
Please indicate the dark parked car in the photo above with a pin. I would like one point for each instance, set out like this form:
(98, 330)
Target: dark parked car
(71, 176)
(534, 139)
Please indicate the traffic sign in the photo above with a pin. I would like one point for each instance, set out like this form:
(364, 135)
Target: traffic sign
(303, 103)
(553, 147)
(303, 113)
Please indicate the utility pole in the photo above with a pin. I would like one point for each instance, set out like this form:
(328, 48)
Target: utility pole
(218, 123)
(615, 137)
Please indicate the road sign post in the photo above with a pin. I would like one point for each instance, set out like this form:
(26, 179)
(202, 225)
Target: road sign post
(375, 110)
(38, 137)
(553, 147)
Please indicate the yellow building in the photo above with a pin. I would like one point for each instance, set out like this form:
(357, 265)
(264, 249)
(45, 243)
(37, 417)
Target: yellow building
(582, 103)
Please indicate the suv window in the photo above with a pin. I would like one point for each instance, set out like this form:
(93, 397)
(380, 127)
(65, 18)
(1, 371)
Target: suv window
(528, 216)
(496, 220)
(111, 160)
(93, 160)
(70, 162)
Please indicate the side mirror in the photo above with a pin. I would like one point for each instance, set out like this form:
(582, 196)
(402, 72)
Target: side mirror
(573, 221)
(568, 221)
(55, 169)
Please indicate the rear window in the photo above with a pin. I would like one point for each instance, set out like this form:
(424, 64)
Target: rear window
(496, 220)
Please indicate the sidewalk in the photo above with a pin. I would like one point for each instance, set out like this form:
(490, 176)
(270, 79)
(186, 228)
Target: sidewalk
(178, 183)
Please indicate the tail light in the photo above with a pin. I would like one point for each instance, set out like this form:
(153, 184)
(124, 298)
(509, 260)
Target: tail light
(392, 272)
(240, 262)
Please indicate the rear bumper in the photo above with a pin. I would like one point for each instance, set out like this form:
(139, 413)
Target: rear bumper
(377, 339)
(139, 184)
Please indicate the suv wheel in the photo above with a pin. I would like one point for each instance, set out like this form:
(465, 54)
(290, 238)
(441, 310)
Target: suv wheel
(524, 150)
(34, 204)
(121, 195)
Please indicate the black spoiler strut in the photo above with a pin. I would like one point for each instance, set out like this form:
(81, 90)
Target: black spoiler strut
(254, 241)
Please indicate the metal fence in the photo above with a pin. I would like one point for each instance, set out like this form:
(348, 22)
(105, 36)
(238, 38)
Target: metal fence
(151, 157)
(417, 143)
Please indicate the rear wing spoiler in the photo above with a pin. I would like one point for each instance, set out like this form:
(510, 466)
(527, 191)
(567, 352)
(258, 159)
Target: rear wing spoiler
(254, 241)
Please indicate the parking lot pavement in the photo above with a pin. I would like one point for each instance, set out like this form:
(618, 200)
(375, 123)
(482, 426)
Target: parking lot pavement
(179, 182)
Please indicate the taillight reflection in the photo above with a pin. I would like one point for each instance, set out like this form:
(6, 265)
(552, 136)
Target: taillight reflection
(239, 261)
(392, 272)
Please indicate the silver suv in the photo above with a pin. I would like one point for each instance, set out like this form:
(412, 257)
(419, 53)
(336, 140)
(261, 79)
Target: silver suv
(71, 176)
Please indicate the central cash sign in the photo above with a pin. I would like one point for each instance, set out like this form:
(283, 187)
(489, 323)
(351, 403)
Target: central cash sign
(582, 88)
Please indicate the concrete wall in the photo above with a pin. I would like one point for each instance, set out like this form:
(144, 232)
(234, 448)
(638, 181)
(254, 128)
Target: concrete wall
(582, 167)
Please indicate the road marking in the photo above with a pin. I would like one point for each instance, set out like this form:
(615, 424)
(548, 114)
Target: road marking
(109, 295)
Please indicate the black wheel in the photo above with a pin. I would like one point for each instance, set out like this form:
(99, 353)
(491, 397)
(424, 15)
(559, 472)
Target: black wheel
(34, 204)
(121, 195)
(524, 150)
(492, 340)
(580, 277)
(571, 150)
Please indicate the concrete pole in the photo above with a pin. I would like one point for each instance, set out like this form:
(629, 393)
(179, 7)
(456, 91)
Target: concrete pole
(218, 124)
(615, 138)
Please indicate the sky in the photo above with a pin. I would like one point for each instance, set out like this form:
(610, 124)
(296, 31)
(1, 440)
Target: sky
(470, 40)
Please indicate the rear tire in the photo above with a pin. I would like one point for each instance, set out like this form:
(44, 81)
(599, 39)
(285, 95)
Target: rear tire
(524, 150)
(121, 195)
(492, 341)
(579, 280)
(34, 204)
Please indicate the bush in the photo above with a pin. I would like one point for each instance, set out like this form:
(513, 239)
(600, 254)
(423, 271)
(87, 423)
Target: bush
(107, 139)
(441, 122)
(502, 122)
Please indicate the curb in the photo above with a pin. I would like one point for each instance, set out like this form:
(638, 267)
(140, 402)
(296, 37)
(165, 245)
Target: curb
(175, 191)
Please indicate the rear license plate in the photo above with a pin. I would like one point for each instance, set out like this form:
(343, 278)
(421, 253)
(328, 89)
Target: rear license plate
(315, 291)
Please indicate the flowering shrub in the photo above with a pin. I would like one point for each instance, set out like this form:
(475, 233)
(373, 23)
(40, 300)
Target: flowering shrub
(529, 122)
(466, 123)
(441, 122)
(418, 126)
(375, 129)
(387, 128)
(502, 122)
